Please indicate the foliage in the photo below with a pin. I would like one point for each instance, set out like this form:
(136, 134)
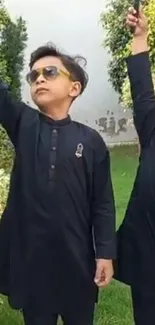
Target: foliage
(13, 43)
(6, 151)
(4, 20)
(126, 94)
(12, 46)
(4, 187)
(117, 41)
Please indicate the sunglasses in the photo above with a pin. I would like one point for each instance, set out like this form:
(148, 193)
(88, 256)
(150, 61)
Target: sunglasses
(47, 72)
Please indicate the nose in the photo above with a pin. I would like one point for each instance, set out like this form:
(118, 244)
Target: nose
(40, 79)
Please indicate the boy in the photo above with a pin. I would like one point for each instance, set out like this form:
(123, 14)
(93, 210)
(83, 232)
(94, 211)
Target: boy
(57, 233)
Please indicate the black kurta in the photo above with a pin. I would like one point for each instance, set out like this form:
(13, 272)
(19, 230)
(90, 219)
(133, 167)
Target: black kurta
(136, 236)
(60, 199)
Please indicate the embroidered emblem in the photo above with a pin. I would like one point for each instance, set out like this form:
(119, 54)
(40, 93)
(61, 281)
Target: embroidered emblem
(79, 150)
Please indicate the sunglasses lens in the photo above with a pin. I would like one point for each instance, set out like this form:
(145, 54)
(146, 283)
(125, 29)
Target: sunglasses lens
(50, 72)
(32, 76)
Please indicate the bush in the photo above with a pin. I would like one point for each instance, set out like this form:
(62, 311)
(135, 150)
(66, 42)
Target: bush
(126, 94)
(6, 151)
(12, 46)
(13, 43)
(117, 41)
(4, 187)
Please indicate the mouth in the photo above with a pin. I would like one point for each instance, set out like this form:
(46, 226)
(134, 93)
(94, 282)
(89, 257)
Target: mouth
(41, 90)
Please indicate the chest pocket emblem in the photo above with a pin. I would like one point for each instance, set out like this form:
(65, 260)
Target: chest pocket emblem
(79, 150)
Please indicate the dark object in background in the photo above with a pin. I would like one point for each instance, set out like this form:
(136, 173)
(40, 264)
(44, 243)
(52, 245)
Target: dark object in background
(136, 7)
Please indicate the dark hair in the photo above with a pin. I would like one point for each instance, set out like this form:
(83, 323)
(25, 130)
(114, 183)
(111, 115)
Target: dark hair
(71, 63)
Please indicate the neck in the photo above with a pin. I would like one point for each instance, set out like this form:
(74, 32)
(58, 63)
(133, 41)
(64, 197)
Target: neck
(56, 113)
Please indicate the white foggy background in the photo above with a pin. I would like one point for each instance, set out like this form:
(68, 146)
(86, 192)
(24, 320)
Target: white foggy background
(73, 25)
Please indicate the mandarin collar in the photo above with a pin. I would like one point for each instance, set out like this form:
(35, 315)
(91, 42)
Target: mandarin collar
(53, 122)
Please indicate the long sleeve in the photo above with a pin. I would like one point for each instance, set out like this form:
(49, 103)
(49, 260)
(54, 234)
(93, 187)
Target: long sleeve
(103, 206)
(142, 90)
(10, 112)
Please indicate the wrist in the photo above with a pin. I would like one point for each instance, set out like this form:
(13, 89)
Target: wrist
(139, 44)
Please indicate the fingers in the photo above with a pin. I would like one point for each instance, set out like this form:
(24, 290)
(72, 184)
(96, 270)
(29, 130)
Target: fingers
(138, 24)
(132, 21)
(103, 275)
(131, 18)
(104, 282)
(132, 11)
(133, 15)
(99, 274)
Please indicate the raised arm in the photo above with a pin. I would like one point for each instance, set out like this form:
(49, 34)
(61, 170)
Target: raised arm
(10, 112)
(103, 211)
(139, 71)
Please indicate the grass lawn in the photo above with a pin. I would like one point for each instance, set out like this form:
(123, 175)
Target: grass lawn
(115, 304)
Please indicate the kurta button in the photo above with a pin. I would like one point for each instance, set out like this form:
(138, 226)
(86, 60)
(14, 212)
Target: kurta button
(54, 148)
(52, 166)
(54, 131)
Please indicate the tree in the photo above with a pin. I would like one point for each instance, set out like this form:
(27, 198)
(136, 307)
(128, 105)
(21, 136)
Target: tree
(12, 46)
(117, 41)
(4, 19)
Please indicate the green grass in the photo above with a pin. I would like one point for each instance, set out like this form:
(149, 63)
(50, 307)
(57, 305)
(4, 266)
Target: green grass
(115, 304)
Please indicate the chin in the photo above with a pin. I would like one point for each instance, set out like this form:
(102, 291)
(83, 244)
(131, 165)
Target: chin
(42, 105)
(42, 109)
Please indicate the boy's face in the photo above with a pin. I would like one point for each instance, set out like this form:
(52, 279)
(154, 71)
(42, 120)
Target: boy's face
(51, 84)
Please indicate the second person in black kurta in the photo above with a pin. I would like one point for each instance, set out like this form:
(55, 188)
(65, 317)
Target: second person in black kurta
(136, 236)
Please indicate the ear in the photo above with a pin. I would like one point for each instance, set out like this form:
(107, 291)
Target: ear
(75, 89)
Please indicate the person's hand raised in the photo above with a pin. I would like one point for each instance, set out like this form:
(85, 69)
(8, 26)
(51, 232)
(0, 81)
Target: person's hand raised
(137, 22)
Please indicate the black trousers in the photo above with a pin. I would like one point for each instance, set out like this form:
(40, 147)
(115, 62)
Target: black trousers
(143, 300)
(43, 316)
